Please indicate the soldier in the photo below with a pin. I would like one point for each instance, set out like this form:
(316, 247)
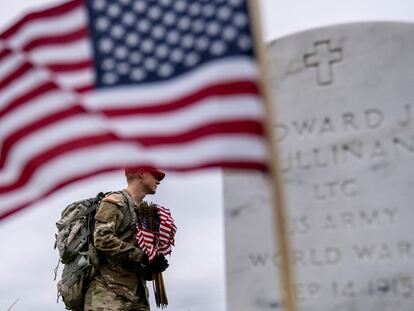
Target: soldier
(120, 281)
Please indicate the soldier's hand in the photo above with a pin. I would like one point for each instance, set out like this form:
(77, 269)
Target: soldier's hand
(159, 264)
(144, 260)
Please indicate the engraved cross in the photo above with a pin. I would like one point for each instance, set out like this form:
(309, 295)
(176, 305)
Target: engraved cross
(322, 58)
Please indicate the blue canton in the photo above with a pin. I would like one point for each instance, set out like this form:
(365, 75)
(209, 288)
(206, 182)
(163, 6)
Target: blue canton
(145, 41)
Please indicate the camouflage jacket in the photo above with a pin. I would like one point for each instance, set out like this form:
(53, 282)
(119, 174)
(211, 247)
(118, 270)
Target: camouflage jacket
(120, 266)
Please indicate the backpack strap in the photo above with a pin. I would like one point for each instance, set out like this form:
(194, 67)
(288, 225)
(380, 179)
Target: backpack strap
(129, 208)
(85, 236)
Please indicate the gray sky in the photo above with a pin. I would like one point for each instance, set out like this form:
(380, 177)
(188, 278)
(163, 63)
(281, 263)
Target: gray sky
(195, 280)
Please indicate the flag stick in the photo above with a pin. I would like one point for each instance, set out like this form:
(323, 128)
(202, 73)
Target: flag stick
(278, 195)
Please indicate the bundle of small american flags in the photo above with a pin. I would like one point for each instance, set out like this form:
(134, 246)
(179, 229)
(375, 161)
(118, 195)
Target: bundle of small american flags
(157, 243)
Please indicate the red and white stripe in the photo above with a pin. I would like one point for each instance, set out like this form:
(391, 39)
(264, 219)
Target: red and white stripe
(56, 128)
(154, 243)
(145, 240)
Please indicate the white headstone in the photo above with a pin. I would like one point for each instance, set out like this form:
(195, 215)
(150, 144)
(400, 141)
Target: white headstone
(345, 124)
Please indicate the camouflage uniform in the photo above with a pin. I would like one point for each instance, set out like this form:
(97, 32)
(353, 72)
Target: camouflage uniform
(119, 283)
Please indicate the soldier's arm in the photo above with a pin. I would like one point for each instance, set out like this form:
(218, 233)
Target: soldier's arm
(108, 217)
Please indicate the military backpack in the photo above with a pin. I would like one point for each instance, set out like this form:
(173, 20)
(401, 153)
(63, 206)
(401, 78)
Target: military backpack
(74, 241)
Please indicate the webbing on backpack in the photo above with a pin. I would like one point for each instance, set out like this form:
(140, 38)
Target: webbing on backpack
(75, 243)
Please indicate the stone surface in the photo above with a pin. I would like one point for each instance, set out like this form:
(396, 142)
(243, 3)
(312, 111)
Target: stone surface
(345, 125)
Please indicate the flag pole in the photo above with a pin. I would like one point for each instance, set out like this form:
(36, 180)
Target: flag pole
(278, 195)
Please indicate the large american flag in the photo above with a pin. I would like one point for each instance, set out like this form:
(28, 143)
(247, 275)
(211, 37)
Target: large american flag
(92, 86)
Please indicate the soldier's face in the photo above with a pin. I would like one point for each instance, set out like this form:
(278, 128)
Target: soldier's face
(149, 182)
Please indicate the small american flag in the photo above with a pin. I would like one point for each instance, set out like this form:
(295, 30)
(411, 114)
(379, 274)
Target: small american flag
(88, 87)
(161, 242)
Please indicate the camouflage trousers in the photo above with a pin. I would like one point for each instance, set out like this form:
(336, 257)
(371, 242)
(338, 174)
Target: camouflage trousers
(100, 298)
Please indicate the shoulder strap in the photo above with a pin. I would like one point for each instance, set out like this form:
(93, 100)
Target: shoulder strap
(128, 203)
(86, 232)
(129, 213)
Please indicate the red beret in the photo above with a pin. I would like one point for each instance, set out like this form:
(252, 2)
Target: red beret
(158, 174)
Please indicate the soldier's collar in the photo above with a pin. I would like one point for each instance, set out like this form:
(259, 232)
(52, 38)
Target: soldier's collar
(130, 198)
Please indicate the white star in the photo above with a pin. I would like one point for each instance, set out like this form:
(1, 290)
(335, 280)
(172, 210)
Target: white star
(132, 39)
(217, 48)
(169, 19)
(140, 6)
(198, 25)
(121, 52)
(137, 74)
(173, 37)
(108, 64)
(135, 57)
(188, 41)
(177, 55)
(244, 42)
(99, 4)
(209, 10)
(224, 13)
(158, 32)
(154, 13)
(165, 2)
(180, 5)
(165, 70)
(143, 25)
(191, 59)
(229, 33)
(202, 43)
(195, 9)
(147, 46)
(150, 64)
(114, 10)
(213, 28)
(102, 23)
(240, 20)
(117, 31)
(162, 51)
(235, 2)
(109, 78)
(128, 18)
(105, 45)
(184, 23)
(123, 68)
